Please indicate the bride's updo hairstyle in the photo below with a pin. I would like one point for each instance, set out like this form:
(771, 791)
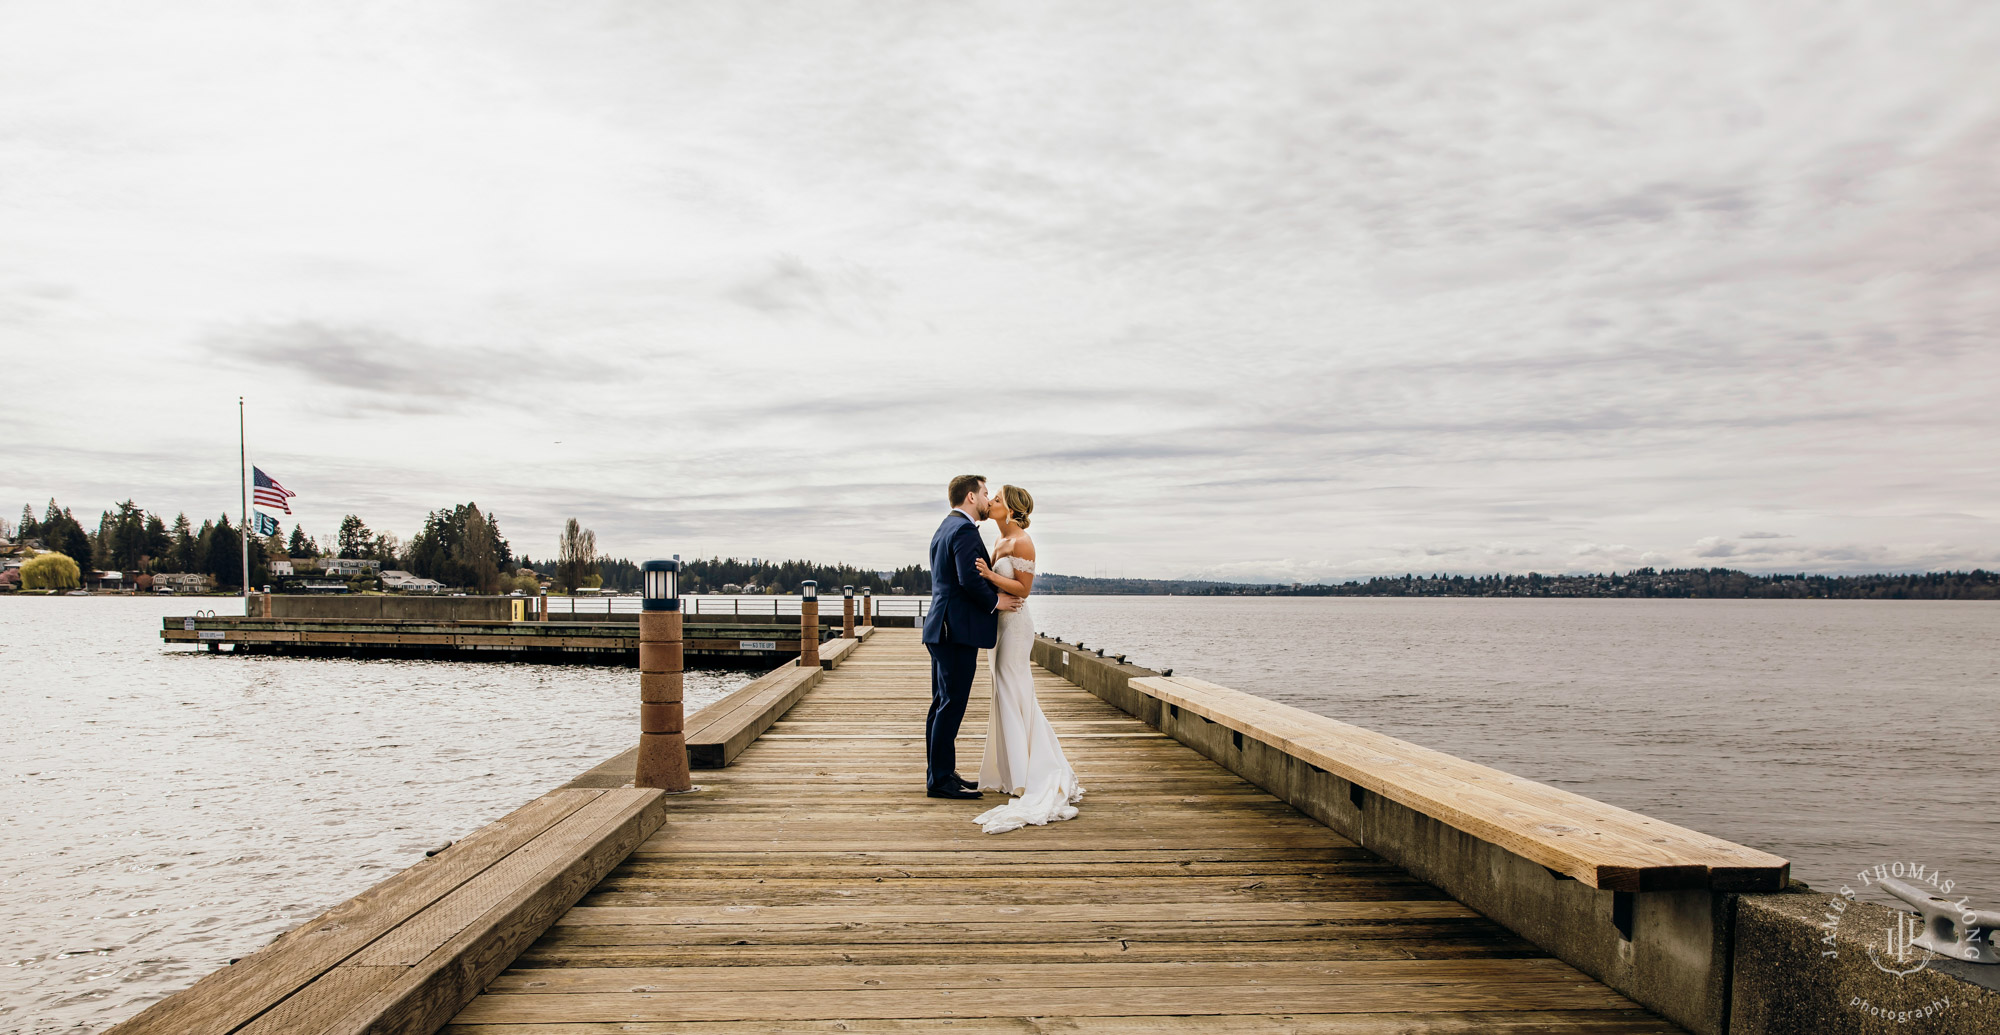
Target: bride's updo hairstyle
(1018, 501)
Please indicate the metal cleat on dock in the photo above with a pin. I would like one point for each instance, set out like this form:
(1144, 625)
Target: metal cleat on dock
(1950, 929)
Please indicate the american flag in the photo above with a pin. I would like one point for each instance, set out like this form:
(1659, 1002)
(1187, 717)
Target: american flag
(266, 492)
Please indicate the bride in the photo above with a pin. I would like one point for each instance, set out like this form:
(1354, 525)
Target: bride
(1023, 758)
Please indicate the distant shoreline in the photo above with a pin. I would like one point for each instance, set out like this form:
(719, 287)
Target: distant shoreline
(1643, 583)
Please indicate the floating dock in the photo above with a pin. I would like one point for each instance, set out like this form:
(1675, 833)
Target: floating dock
(506, 629)
(1238, 866)
(724, 641)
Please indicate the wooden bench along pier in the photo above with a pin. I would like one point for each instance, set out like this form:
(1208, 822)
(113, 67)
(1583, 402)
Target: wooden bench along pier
(1238, 866)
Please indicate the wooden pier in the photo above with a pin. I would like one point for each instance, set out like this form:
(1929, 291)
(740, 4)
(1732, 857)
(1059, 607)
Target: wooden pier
(812, 887)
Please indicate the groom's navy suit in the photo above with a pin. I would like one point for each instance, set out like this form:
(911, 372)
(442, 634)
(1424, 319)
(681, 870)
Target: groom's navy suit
(962, 620)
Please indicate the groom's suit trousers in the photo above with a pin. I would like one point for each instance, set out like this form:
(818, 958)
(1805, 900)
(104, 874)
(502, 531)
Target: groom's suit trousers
(952, 667)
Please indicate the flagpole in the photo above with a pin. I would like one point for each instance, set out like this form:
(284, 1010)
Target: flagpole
(243, 482)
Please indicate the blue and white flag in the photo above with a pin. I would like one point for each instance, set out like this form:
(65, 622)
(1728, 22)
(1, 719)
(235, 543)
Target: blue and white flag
(266, 524)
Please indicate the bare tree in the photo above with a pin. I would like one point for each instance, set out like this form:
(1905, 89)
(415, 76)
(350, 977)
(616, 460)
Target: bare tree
(577, 555)
(474, 551)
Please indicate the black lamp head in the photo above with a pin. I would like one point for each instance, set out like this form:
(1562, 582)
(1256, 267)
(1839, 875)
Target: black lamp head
(659, 583)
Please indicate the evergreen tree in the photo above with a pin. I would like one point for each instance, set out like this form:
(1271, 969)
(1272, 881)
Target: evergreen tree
(223, 554)
(121, 538)
(181, 554)
(158, 542)
(354, 537)
(442, 550)
(60, 532)
(301, 544)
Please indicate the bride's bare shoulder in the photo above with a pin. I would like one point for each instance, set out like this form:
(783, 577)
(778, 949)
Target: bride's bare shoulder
(1024, 547)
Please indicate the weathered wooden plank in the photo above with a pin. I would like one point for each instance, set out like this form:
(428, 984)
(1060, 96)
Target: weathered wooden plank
(1033, 932)
(322, 1003)
(231, 997)
(562, 953)
(1025, 976)
(720, 712)
(725, 735)
(1356, 883)
(1067, 1002)
(425, 995)
(419, 937)
(833, 652)
(1536, 1022)
(1066, 912)
(1599, 844)
(890, 867)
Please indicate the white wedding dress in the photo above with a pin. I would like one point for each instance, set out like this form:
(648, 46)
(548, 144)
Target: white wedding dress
(1023, 758)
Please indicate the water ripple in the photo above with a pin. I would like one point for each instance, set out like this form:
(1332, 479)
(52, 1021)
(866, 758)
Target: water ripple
(168, 810)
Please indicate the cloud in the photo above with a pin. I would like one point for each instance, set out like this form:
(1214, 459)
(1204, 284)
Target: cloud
(841, 294)
(1313, 291)
(383, 371)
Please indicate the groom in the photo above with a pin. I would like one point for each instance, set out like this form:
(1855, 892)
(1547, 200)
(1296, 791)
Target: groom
(963, 618)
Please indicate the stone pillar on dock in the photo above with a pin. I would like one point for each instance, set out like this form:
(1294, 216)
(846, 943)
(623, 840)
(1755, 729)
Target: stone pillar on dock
(847, 611)
(663, 757)
(809, 624)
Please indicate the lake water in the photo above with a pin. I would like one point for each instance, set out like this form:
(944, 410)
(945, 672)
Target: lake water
(1835, 733)
(168, 810)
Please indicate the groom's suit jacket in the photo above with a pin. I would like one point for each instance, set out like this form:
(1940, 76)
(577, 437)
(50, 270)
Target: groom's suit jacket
(962, 601)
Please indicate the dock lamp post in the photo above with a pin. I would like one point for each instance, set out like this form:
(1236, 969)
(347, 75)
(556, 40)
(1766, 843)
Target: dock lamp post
(808, 624)
(847, 611)
(868, 605)
(663, 757)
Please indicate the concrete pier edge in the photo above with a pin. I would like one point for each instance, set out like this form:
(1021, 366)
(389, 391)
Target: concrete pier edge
(1716, 962)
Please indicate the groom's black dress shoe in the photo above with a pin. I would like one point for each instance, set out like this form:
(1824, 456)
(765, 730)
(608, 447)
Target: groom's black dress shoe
(963, 793)
(965, 783)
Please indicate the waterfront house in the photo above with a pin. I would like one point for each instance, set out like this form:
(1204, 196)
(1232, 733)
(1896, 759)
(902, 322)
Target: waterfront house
(348, 567)
(182, 582)
(404, 582)
(20, 547)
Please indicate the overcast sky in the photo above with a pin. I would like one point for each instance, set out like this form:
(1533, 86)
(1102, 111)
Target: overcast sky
(1236, 290)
